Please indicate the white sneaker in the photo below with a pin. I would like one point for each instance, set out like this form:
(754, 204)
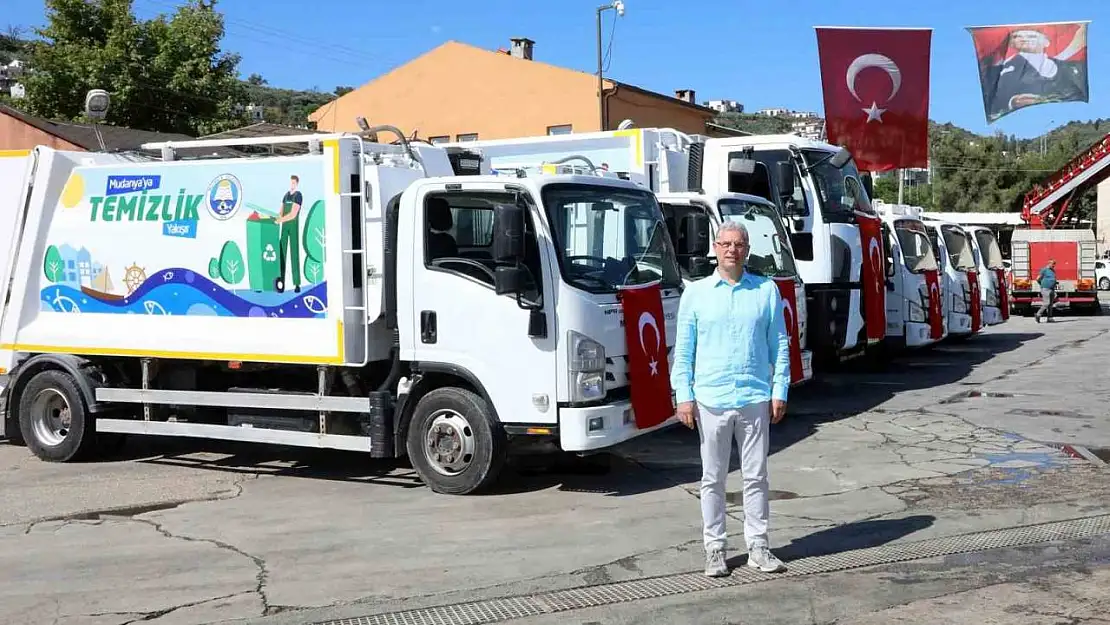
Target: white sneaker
(715, 565)
(761, 558)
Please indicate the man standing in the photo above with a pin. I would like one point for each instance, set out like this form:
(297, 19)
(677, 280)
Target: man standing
(731, 374)
(1047, 279)
(290, 240)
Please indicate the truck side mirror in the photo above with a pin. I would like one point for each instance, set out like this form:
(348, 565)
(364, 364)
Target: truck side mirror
(509, 279)
(508, 233)
(868, 185)
(786, 178)
(695, 241)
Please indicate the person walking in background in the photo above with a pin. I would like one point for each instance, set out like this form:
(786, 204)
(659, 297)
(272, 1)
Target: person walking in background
(1047, 279)
(730, 376)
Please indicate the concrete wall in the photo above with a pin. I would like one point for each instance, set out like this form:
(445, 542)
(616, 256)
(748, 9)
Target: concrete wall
(460, 89)
(17, 135)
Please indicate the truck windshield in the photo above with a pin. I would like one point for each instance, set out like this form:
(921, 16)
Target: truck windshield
(769, 254)
(609, 237)
(959, 248)
(839, 191)
(917, 249)
(988, 245)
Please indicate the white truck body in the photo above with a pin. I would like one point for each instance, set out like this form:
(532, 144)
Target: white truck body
(914, 305)
(992, 271)
(823, 205)
(156, 290)
(955, 253)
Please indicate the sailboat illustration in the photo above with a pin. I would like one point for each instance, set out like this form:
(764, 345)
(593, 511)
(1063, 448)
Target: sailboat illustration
(101, 287)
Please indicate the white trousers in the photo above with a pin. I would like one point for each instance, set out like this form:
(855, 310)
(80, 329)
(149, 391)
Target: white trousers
(716, 429)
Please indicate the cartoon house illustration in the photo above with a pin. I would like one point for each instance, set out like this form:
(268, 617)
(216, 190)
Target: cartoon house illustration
(79, 267)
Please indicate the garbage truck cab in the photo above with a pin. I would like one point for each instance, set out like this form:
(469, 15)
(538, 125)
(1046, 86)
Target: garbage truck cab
(955, 253)
(992, 272)
(914, 307)
(770, 255)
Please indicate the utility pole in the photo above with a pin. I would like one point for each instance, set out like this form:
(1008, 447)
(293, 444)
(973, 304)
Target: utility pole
(901, 184)
(618, 6)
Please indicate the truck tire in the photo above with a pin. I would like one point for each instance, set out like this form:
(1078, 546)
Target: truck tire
(455, 443)
(1104, 284)
(53, 419)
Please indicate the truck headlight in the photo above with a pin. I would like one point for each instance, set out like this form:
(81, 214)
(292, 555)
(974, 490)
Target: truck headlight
(917, 312)
(587, 368)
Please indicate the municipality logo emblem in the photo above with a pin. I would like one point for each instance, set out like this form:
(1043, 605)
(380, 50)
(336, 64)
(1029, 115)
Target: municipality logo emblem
(225, 193)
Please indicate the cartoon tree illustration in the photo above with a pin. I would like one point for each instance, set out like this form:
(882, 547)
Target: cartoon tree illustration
(213, 268)
(232, 268)
(313, 270)
(53, 265)
(314, 237)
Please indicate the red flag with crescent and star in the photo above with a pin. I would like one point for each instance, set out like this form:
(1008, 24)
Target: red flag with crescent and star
(648, 372)
(790, 316)
(936, 313)
(976, 302)
(875, 83)
(872, 277)
(1003, 293)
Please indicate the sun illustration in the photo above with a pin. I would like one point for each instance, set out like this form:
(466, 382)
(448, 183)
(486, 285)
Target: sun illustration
(74, 191)
(134, 277)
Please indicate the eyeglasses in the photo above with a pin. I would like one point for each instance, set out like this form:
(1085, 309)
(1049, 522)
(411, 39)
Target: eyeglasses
(732, 245)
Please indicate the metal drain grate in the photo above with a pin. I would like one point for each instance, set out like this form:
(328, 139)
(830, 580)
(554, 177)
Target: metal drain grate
(503, 609)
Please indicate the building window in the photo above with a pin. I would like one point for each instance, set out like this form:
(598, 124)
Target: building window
(564, 129)
(439, 139)
(470, 136)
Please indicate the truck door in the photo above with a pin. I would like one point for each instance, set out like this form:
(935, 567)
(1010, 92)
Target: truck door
(459, 320)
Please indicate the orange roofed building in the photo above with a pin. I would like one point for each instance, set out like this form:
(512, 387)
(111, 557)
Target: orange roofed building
(459, 92)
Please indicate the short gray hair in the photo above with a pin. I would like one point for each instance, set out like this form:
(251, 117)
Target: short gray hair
(729, 225)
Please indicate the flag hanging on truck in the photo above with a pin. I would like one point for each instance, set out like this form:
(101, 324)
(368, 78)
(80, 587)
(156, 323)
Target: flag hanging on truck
(936, 312)
(875, 84)
(1022, 65)
(976, 303)
(790, 308)
(872, 277)
(1003, 293)
(648, 372)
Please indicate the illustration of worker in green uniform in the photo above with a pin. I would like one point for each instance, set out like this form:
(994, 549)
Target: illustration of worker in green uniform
(290, 240)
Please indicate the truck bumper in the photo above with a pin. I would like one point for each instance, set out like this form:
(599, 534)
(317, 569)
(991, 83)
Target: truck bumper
(597, 427)
(959, 323)
(917, 334)
(992, 315)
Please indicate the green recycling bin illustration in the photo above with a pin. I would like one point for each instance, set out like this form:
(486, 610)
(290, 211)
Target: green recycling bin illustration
(263, 267)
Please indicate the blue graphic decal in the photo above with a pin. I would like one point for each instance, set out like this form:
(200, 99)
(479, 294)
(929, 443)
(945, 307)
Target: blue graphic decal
(178, 291)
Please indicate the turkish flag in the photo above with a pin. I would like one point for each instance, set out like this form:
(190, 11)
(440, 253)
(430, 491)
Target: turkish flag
(936, 313)
(1003, 293)
(875, 84)
(790, 312)
(872, 276)
(976, 303)
(648, 373)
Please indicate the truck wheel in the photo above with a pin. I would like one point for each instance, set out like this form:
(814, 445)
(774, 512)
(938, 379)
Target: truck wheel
(53, 419)
(454, 442)
(1104, 284)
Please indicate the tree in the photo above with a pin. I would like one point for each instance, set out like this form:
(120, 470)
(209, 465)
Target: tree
(166, 74)
(343, 90)
(256, 80)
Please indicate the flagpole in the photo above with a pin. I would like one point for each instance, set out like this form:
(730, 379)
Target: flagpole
(901, 183)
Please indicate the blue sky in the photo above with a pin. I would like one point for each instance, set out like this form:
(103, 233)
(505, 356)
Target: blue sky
(762, 54)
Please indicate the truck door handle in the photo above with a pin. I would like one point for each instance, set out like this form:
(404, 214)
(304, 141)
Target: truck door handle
(427, 326)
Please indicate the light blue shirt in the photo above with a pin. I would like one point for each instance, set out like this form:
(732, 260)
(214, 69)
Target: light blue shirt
(732, 348)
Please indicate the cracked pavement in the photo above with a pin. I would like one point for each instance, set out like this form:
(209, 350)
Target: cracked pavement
(961, 438)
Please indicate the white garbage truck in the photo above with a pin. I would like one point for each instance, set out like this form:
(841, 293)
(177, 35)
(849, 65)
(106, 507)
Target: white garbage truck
(992, 273)
(660, 159)
(914, 306)
(336, 293)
